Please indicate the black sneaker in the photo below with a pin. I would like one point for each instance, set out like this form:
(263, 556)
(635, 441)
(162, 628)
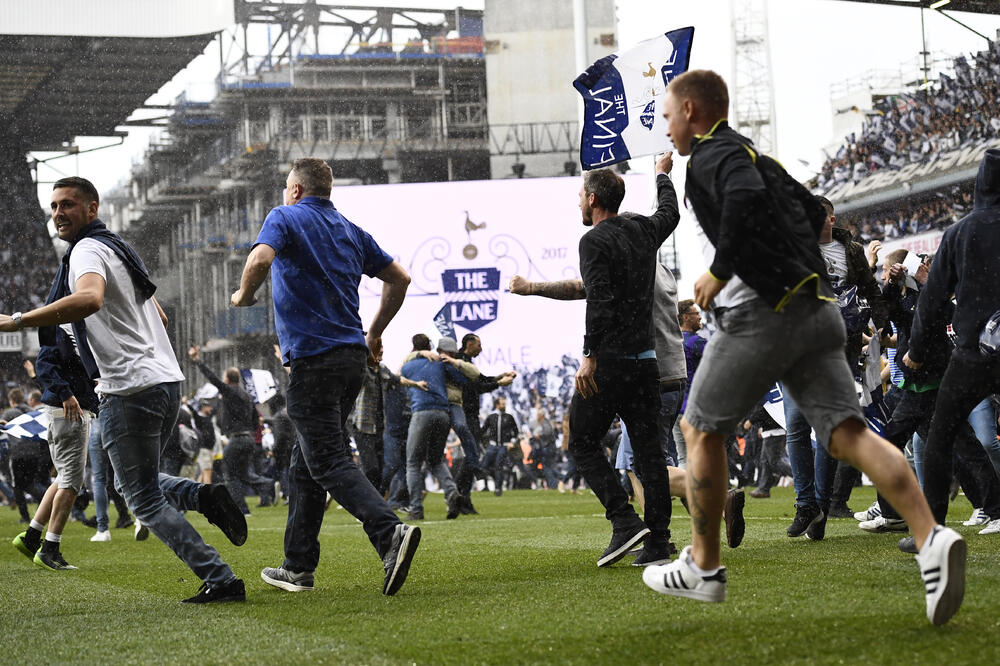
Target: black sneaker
(621, 543)
(840, 510)
(805, 516)
(231, 591)
(415, 514)
(52, 561)
(405, 540)
(651, 554)
(219, 508)
(732, 514)
(122, 522)
(287, 580)
(817, 529)
(908, 545)
(466, 507)
(454, 502)
(90, 522)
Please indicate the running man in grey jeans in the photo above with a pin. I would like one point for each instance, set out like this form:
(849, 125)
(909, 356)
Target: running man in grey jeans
(763, 227)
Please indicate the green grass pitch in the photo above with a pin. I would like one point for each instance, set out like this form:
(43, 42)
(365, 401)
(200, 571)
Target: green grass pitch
(517, 584)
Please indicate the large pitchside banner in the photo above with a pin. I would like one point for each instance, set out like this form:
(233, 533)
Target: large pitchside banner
(623, 98)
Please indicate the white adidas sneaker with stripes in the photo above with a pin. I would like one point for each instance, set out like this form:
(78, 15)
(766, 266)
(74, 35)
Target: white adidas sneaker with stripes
(942, 567)
(680, 580)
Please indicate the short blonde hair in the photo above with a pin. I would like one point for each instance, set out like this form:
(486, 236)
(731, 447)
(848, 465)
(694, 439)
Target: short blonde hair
(706, 88)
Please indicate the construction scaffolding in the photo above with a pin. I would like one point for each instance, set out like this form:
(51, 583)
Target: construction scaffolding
(377, 110)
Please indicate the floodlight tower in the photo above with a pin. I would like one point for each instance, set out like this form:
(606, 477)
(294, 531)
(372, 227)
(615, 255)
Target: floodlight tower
(752, 91)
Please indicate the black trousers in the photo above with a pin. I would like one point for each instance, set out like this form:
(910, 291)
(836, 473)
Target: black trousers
(371, 456)
(970, 377)
(240, 473)
(321, 393)
(631, 390)
(30, 465)
(913, 414)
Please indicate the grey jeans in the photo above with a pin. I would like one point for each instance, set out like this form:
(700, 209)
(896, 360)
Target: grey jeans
(425, 443)
(802, 346)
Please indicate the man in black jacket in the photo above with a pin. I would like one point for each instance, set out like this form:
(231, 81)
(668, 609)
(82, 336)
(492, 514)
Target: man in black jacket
(238, 421)
(967, 264)
(70, 403)
(619, 373)
(764, 227)
(469, 432)
(917, 395)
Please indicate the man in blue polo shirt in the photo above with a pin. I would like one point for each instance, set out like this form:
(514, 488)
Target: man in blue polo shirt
(318, 258)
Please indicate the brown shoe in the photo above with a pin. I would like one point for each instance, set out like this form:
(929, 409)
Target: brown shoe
(760, 494)
(733, 515)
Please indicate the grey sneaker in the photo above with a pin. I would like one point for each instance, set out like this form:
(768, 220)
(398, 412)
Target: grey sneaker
(141, 531)
(405, 540)
(287, 580)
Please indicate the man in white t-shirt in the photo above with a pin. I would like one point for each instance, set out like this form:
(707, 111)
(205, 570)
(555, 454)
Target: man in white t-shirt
(104, 291)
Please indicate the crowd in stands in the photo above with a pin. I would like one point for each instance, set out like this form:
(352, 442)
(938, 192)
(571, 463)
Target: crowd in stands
(27, 258)
(917, 127)
(911, 217)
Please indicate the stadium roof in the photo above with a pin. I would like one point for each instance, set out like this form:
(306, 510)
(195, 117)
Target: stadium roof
(80, 69)
(974, 6)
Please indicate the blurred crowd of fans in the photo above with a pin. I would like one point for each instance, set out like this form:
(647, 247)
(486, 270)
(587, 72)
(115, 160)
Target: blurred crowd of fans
(28, 260)
(906, 218)
(915, 128)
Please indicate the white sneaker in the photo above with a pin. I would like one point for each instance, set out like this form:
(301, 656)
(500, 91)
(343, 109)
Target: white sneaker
(680, 580)
(101, 536)
(942, 568)
(978, 517)
(882, 524)
(992, 527)
(871, 513)
(141, 531)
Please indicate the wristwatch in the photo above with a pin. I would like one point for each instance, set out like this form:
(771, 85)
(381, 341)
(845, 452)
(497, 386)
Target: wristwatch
(586, 352)
(17, 320)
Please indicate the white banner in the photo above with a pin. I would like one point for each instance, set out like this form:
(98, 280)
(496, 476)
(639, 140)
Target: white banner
(454, 237)
(11, 342)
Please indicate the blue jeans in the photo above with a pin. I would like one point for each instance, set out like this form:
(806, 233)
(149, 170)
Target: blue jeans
(496, 460)
(813, 471)
(425, 443)
(670, 409)
(133, 429)
(321, 393)
(984, 421)
(470, 447)
(99, 478)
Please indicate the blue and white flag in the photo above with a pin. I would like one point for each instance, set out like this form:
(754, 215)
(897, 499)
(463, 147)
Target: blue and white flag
(30, 425)
(443, 322)
(259, 384)
(623, 98)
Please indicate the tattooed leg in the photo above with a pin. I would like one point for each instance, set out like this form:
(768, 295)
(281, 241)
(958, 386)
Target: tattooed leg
(707, 483)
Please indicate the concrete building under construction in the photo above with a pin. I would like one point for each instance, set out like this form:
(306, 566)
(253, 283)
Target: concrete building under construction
(380, 111)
